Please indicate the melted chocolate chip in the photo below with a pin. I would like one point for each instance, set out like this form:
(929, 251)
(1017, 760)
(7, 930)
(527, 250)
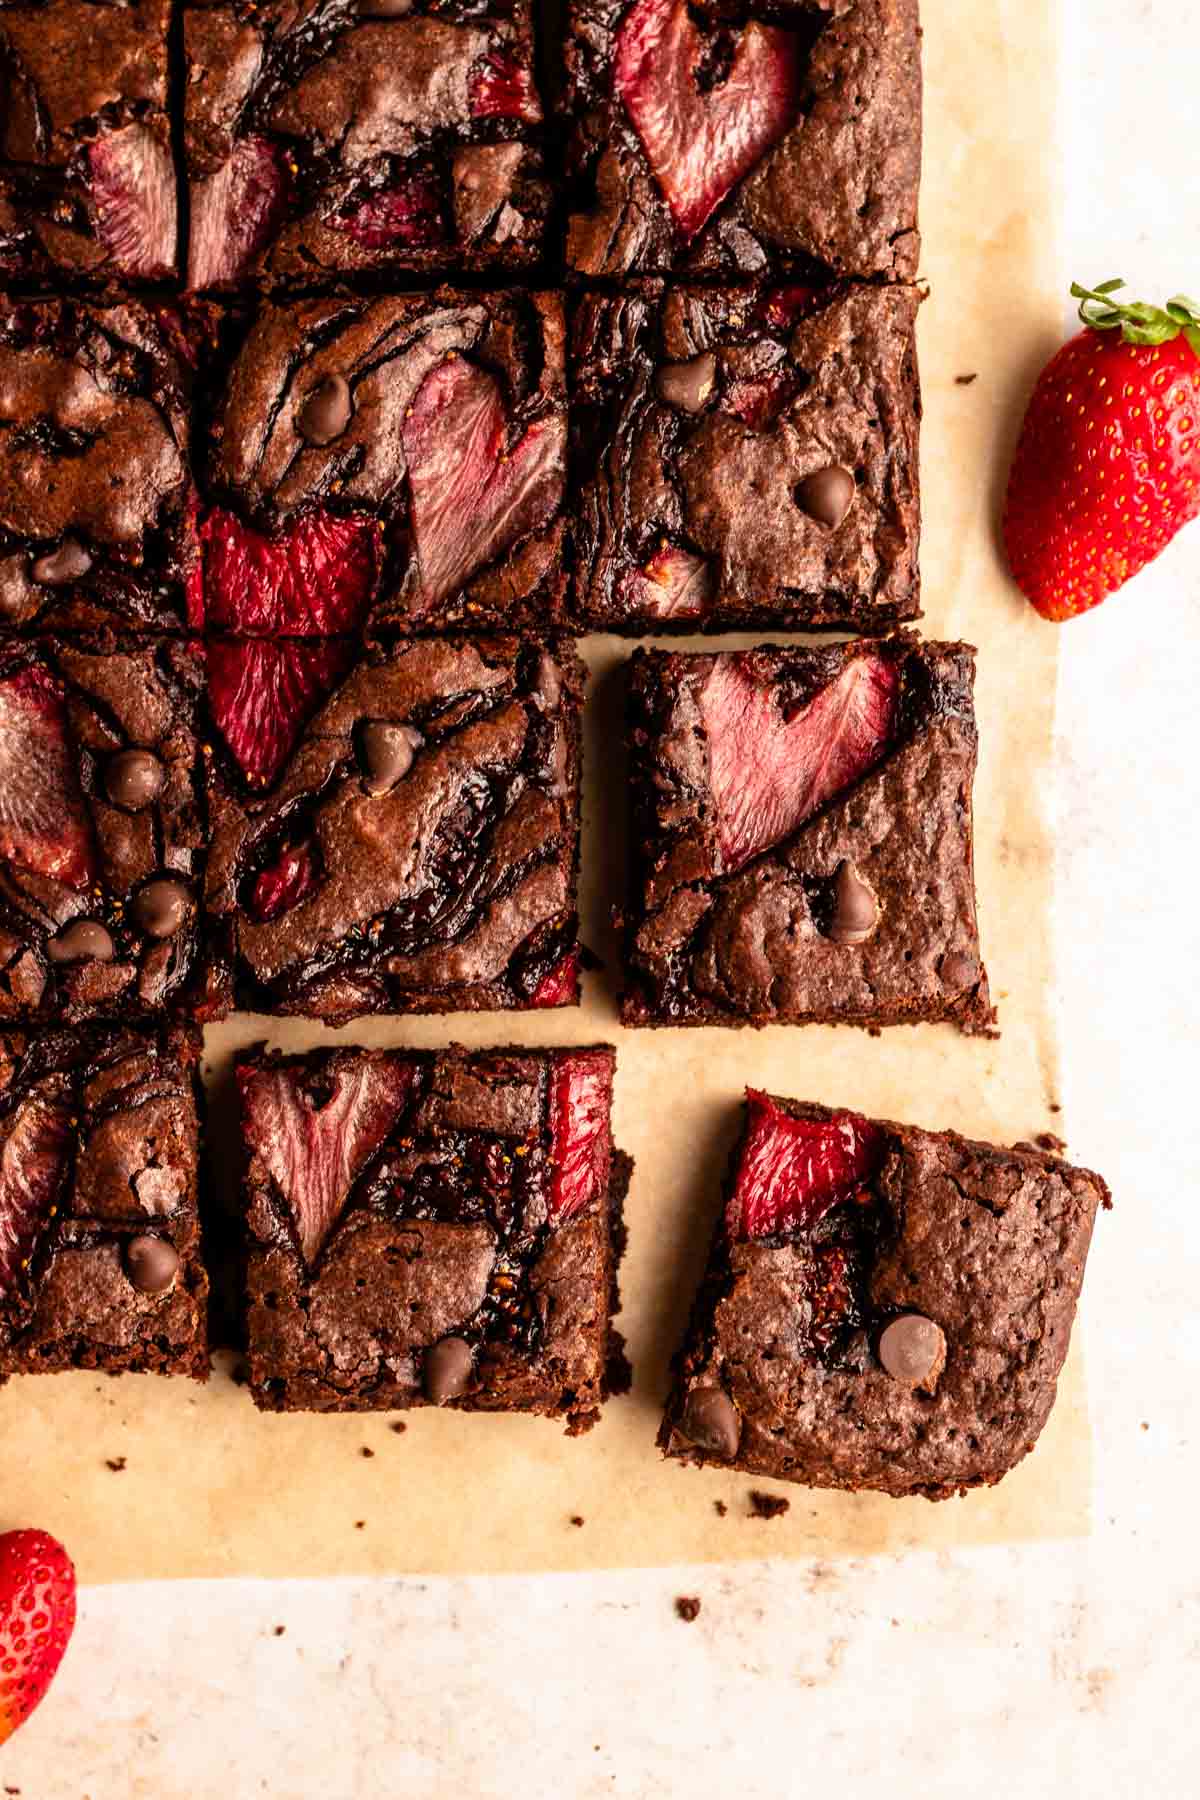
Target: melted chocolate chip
(162, 906)
(326, 412)
(710, 1420)
(134, 779)
(913, 1350)
(688, 385)
(70, 562)
(855, 911)
(826, 495)
(386, 752)
(83, 940)
(151, 1264)
(448, 1367)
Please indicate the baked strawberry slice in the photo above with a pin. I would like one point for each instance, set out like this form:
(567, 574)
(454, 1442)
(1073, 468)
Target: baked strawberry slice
(792, 1171)
(262, 695)
(702, 137)
(408, 215)
(37, 1617)
(288, 881)
(473, 494)
(673, 584)
(313, 578)
(502, 88)
(133, 191)
(43, 824)
(832, 1301)
(559, 986)
(783, 306)
(317, 1137)
(32, 1160)
(234, 212)
(769, 773)
(580, 1133)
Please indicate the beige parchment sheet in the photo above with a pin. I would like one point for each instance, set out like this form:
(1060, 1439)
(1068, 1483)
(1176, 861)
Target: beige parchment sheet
(211, 1487)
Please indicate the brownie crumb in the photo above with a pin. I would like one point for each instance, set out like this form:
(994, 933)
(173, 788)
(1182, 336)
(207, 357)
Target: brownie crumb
(966, 380)
(115, 1463)
(720, 1508)
(279, 1630)
(360, 1524)
(366, 1451)
(399, 1425)
(688, 1607)
(1145, 1424)
(1049, 1140)
(577, 1519)
(767, 1506)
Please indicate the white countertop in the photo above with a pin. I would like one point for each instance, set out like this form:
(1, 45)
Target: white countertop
(1015, 1669)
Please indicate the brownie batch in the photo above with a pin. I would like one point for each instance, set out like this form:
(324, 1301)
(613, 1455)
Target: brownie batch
(338, 390)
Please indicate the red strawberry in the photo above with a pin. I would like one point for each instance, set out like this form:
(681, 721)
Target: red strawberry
(502, 88)
(758, 401)
(1108, 465)
(43, 825)
(674, 584)
(831, 1296)
(316, 1140)
(234, 212)
(793, 1170)
(133, 190)
(701, 136)
(32, 1161)
(784, 305)
(580, 1135)
(768, 773)
(288, 881)
(262, 695)
(37, 1617)
(559, 986)
(312, 579)
(409, 214)
(473, 495)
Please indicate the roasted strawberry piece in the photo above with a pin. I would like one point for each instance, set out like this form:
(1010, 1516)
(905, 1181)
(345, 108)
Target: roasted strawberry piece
(133, 191)
(288, 881)
(37, 1617)
(580, 1135)
(792, 1171)
(261, 695)
(832, 1302)
(313, 578)
(559, 986)
(673, 584)
(502, 88)
(43, 822)
(234, 212)
(407, 215)
(33, 1158)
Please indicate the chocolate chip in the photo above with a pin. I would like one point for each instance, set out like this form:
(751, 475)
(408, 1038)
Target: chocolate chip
(326, 412)
(826, 495)
(162, 906)
(386, 752)
(710, 1419)
(913, 1350)
(134, 779)
(448, 1367)
(855, 912)
(688, 385)
(151, 1264)
(70, 562)
(959, 970)
(83, 940)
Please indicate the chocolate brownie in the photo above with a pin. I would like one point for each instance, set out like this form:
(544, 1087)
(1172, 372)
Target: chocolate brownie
(87, 178)
(409, 847)
(96, 494)
(802, 831)
(325, 138)
(431, 1228)
(101, 829)
(403, 458)
(771, 139)
(100, 1264)
(884, 1307)
(746, 457)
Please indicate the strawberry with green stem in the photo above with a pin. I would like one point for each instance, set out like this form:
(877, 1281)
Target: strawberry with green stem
(1107, 468)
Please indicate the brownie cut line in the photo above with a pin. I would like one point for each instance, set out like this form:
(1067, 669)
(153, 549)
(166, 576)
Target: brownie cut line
(432, 1228)
(100, 1263)
(802, 837)
(884, 1308)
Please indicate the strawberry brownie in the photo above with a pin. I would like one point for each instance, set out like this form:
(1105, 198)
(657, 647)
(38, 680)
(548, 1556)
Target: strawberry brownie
(324, 140)
(394, 829)
(396, 459)
(87, 178)
(102, 829)
(100, 1263)
(803, 837)
(777, 138)
(884, 1307)
(432, 1228)
(746, 457)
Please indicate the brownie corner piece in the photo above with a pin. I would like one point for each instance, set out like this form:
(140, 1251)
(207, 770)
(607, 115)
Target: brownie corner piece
(785, 140)
(802, 831)
(395, 827)
(885, 1308)
(100, 1259)
(431, 1228)
(746, 457)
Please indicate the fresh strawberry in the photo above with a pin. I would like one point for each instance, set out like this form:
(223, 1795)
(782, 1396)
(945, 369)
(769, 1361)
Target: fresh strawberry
(37, 1617)
(1108, 465)
(473, 496)
(559, 986)
(288, 881)
(43, 824)
(673, 584)
(792, 1171)
(32, 1161)
(133, 190)
(703, 136)
(316, 1138)
(262, 695)
(580, 1135)
(234, 212)
(409, 214)
(314, 578)
(502, 88)
(769, 773)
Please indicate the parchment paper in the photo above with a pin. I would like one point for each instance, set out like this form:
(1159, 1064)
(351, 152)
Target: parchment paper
(212, 1487)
